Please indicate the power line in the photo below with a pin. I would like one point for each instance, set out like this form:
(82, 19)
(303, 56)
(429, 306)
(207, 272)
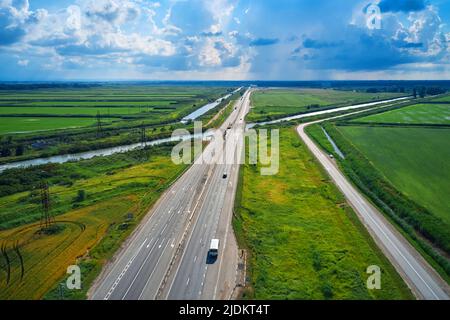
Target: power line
(46, 218)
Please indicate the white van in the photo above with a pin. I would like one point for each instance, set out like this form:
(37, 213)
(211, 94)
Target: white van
(214, 248)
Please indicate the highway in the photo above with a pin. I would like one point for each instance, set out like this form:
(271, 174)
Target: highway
(166, 257)
(421, 278)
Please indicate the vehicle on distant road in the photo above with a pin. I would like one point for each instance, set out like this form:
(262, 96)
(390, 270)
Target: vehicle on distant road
(225, 175)
(331, 156)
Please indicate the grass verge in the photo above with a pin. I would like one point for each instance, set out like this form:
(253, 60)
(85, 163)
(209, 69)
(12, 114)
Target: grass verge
(304, 241)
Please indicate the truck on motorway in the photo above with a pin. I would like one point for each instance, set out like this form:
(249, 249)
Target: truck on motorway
(214, 248)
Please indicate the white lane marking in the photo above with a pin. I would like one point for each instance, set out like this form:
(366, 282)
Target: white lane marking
(151, 274)
(187, 282)
(123, 272)
(195, 258)
(160, 245)
(142, 265)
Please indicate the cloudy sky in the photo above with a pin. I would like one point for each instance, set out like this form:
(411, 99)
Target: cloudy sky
(224, 39)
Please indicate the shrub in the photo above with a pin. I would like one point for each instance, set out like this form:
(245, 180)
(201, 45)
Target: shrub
(81, 196)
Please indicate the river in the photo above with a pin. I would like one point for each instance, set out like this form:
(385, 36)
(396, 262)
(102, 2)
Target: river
(317, 113)
(125, 148)
(201, 111)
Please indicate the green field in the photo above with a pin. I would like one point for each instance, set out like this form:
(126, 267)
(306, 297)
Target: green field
(414, 160)
(20, 124)
(91, 103)
(90, 227)
(443, 99)
(277, 103)
(304, 241)
(53, 121)
(82, 111)
(152, 104)
(415, 114)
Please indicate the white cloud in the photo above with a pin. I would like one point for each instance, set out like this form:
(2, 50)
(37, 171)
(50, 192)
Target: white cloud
(23, 63)
(221, 11)
(16, 19)
(73, 21)
(209, 55)
(112, 12)
(168, 29)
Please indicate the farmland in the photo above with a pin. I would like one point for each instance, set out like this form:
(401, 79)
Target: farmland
(415, 114)
(414, 160)
(445, 99)
(149, 104)
(96, 204)
(399, 159)
(276, 103)
(42, 122)
(304, 241)
(12, 125)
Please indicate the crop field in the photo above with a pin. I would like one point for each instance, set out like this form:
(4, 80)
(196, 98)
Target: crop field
(414, 160)
(152, 104)
(276, 103)
(415, 114)
(21, 124)
(82, 111)
(445, 99)
(304, 241)
(96, 203)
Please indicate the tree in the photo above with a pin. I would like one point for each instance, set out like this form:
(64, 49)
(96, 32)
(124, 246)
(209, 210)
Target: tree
(81, 196)
(422, 92)
(19, 150)
(5, 152)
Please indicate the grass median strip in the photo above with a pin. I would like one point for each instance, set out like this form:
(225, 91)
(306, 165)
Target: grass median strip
(304, 241)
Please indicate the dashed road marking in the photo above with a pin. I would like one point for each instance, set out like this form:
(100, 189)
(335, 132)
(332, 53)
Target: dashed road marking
(123, 272)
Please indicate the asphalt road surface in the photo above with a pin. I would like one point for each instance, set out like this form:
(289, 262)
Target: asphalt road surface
(166, 257)
(424, 282)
